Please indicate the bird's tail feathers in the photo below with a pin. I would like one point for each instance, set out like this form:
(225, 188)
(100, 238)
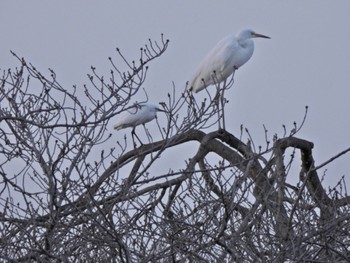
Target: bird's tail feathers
(117, 127)
(189, 86)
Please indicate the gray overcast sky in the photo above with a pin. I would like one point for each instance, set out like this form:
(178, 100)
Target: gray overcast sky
(306, 62)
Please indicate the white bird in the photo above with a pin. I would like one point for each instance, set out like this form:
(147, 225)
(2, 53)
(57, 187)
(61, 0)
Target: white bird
(228, 55)
(138, 114)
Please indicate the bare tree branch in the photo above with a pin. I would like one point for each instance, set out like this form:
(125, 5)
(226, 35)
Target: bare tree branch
(70, 192)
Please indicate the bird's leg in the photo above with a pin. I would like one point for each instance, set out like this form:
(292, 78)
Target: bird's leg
(218, 107)
(222, 97)
(217, 102)
(133, 133)
(222, 100)
(132, 136)
(150, 139)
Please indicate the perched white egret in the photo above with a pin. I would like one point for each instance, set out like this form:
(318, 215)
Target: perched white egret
(228, 55)
(136, 115)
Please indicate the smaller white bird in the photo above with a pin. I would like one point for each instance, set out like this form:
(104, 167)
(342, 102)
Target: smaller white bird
(138, 114)
(228, 55)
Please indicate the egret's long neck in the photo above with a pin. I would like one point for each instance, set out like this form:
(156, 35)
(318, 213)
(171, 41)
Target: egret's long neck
(245, 42)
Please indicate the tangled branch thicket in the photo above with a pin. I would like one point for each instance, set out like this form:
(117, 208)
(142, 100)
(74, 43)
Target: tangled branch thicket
(70, 193)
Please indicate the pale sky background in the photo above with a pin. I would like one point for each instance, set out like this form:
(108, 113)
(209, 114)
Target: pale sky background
(307, 61)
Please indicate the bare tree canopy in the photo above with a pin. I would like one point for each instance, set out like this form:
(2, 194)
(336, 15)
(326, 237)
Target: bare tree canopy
(69, 192)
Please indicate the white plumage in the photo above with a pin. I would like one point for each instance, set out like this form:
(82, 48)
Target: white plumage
(139, 114)
(136, 115)
(228, 55)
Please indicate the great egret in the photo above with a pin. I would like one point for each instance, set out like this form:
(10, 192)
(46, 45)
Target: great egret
(138, 114)
(228, 55)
